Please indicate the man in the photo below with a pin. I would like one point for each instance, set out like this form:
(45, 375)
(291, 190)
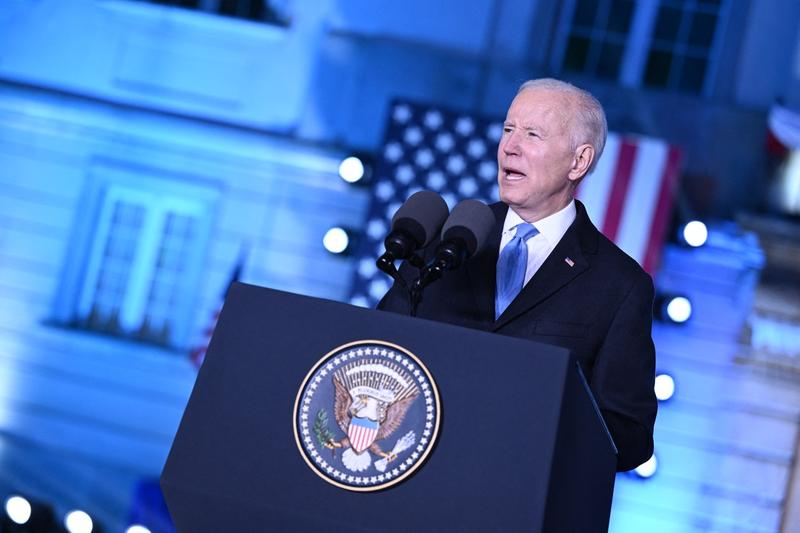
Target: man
(547, 274)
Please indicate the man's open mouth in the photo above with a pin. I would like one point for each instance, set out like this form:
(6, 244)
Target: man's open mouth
(512, 174)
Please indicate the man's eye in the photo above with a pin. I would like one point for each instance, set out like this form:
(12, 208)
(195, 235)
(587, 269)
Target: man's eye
(507, 129)
(532, 134)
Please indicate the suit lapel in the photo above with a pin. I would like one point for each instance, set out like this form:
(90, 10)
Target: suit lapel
(556, 271)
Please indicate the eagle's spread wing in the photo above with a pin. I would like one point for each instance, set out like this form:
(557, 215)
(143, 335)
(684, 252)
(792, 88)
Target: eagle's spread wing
(394, 416)
(341, 405)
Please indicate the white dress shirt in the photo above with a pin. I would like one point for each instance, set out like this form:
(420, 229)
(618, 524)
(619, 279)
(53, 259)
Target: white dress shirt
(551, 229)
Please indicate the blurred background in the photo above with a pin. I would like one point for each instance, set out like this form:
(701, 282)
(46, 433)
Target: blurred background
(151, 152)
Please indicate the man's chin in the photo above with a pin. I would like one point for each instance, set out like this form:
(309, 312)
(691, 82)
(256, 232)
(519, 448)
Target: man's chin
(508, 198)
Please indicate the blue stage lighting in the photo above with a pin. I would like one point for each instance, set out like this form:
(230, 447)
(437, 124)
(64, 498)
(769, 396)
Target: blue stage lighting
(336, 240)
(679, 309)
(137, 528)
(29, 515)
(351, 169)
(647, 469)
(671, 307)
(664, 387)
(18, 509)
(694, 233)
(78, 521)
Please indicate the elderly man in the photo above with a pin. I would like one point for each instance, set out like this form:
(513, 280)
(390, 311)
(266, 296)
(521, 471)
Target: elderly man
(547, 274)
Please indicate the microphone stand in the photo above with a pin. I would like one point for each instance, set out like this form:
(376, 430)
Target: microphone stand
(385, 263)
(449, 256)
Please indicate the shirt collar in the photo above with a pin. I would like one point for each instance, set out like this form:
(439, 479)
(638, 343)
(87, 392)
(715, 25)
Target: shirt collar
(552, 227)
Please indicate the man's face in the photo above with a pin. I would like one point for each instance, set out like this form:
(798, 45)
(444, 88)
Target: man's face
(535, 155)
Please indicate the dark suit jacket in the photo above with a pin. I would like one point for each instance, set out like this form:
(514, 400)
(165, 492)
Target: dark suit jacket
(600, 308)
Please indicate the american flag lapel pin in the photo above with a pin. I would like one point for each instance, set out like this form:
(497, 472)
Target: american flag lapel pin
(569, 261)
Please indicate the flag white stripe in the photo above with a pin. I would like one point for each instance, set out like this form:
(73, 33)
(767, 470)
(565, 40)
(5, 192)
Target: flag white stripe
(596, 188)
(642, 198)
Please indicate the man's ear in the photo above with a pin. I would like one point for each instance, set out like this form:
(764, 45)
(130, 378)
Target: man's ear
(584, 155)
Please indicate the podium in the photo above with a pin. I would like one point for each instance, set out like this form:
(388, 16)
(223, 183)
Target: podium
(521, 444)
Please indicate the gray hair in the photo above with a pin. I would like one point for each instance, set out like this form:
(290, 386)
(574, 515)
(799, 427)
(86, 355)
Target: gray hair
(589, 119)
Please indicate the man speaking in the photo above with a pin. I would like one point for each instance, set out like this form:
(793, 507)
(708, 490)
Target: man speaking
(547, 274)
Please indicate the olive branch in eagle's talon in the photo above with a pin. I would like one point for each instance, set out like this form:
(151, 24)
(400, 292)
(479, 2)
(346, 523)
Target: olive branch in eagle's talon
(324, 435)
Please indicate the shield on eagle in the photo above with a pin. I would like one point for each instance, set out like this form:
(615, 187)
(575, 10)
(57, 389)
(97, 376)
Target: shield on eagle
(362, 433)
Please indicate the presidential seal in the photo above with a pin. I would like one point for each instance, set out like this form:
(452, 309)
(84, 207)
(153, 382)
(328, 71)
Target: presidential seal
(366, 415)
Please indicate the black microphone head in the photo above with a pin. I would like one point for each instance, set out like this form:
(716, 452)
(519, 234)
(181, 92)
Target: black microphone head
(421, 216)
(470, 222)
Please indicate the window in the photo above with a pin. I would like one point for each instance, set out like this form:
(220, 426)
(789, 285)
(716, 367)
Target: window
(669, 44)
(597, 37)
(681, 44)
(270, 11)
(136, 263)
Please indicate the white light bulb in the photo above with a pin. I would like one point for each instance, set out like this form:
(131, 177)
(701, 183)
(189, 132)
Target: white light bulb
(679, 309)
(18, 509)
(664, 387)
(136, 528)
(351, 169)
(648, 468)
(695, 233)
(78, 522)
(336, 240)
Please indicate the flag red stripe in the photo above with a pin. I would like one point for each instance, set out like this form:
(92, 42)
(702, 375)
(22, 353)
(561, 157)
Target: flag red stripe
(658, 226)
(619, 188)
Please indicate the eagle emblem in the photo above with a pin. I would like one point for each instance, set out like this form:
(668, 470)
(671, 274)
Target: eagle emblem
(386, 415)
(371, 401)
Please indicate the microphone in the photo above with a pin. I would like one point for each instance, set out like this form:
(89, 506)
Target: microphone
(464, 234)
(414, 226)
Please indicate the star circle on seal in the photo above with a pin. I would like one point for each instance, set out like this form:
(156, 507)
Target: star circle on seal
(367, 415)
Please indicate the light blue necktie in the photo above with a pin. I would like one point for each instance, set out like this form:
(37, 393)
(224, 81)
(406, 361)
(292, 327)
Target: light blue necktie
(511, 268)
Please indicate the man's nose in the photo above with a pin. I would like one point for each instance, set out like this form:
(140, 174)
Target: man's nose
(511, 144)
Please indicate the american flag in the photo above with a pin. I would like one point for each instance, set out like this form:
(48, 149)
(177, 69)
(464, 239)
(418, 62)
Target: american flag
(628, 196)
